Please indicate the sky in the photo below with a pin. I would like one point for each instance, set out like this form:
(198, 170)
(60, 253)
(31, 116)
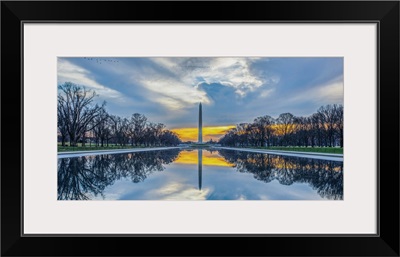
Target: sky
(232, 90)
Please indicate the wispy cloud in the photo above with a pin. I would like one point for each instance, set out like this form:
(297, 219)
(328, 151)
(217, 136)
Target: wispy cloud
(175, 84)
(179, 191)
(226, 71)
(69, 72)
(328, 93)
(172, 93)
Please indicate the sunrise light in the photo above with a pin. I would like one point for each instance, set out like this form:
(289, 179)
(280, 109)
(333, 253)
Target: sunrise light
(214, 133)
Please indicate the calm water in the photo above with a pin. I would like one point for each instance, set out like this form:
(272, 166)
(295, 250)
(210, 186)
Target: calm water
(198, 175)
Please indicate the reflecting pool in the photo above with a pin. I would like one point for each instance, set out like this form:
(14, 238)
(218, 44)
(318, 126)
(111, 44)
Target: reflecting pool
(198, 174)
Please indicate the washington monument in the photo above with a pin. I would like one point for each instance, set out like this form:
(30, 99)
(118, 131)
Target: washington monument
(200, 125)
(200, 152)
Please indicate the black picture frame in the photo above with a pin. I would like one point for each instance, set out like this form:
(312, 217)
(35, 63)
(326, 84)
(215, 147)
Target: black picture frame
(383, 13)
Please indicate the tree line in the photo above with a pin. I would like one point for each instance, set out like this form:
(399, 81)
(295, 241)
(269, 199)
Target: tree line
(323, 128)
(80, 119)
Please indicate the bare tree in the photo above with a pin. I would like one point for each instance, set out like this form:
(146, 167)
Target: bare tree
(119, 129)
(169, 138)
(339, 123)
(154, 132)
(101, 127)
(137, 128)
(242, 131)
(328, 114)
(264, 125)
(286, 126)
(77, 108)
(302, 131)
(61, 123)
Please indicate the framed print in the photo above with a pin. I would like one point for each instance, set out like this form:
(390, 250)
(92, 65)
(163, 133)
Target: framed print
(271, 124)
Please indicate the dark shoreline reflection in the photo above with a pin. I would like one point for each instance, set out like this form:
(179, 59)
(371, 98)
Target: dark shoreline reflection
(326, 177)
(79, 177)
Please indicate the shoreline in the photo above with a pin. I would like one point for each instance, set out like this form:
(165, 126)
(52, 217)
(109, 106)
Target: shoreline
(312, 155)
(116, 151)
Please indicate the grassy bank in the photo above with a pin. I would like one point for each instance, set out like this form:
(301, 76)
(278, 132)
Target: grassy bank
(307, 149)
(91, 148)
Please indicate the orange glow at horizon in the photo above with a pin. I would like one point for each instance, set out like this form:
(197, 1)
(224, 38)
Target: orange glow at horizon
(190, 134)
(209, 159)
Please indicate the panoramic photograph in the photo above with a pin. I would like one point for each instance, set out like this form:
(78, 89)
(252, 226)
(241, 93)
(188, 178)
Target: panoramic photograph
(200, 128)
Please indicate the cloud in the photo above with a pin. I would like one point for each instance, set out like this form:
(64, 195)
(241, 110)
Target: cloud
(172, 93)
(176, 84)
(234, 72)
(328, 93)
(266, 93)
(179, 83)
(178, 191)
(69, 72)
(331, 93)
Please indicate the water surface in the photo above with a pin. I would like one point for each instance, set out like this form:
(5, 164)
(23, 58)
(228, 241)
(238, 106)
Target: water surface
(198, 175)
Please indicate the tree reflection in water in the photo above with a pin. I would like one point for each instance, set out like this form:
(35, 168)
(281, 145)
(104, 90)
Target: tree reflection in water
(326, 177)
(80, 177)
(86, 177)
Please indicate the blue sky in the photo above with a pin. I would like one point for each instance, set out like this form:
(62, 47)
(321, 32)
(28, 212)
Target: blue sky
(232, 90)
